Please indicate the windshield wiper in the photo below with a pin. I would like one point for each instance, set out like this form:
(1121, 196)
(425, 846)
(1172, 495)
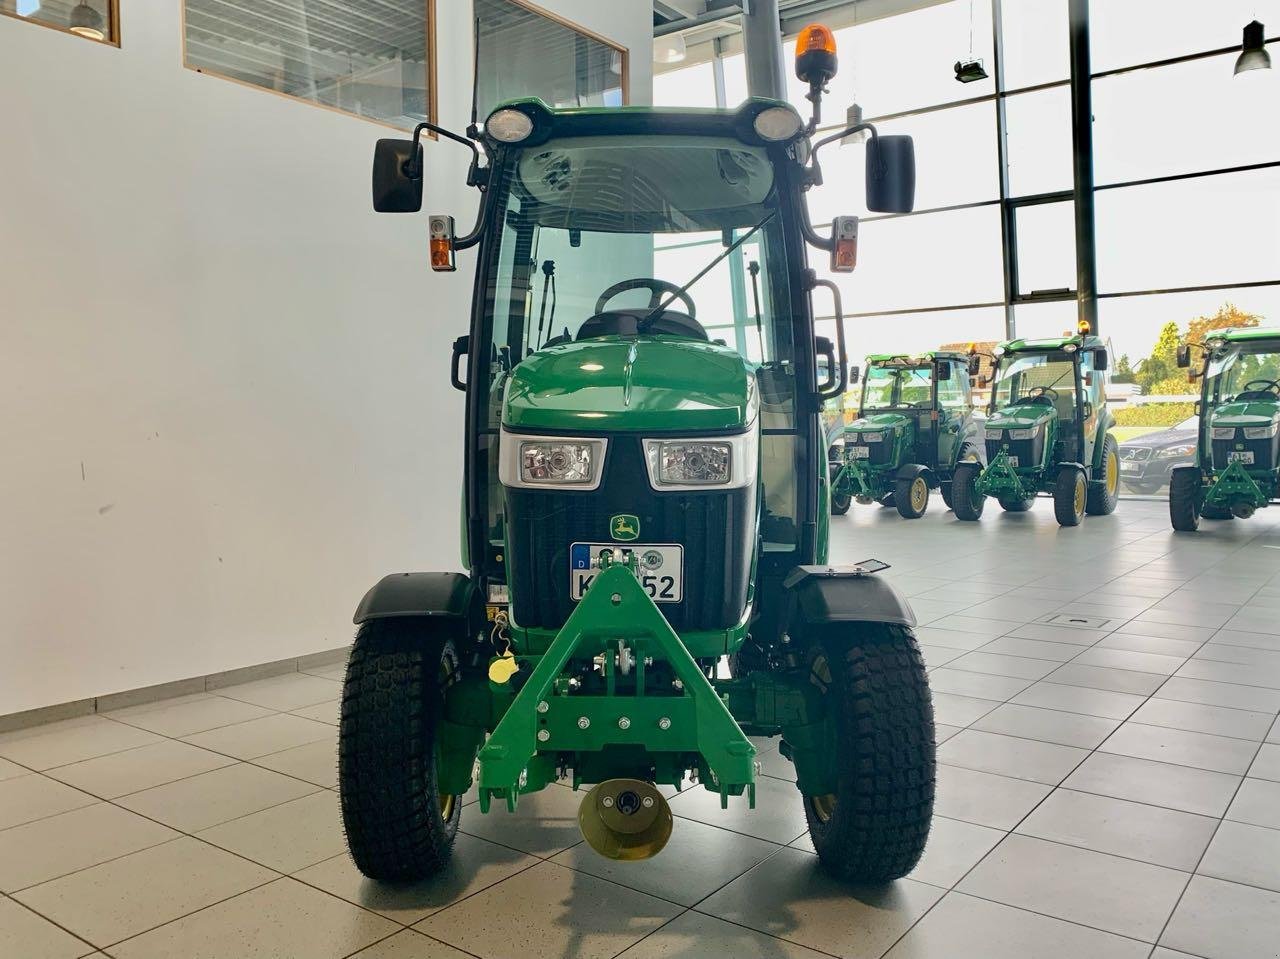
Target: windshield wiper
(647, 320)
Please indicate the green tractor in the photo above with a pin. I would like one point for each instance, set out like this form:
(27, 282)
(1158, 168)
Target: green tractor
(645, 495)
(1237, 467)
(1048, 431)
(915, 424)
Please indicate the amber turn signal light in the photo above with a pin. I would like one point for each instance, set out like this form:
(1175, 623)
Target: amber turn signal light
(441, 243)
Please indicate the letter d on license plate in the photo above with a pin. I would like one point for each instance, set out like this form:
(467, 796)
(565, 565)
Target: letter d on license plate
(661, 568)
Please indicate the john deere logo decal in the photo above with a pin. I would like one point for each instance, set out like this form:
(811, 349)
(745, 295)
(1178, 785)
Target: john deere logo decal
(624, 527)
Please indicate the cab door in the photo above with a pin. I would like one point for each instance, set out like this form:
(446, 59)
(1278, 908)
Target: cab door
(952, 407)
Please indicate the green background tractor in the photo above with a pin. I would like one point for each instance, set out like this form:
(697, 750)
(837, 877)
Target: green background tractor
(646, 493)
(915, 424)
(1237, 467)
(1047, 432)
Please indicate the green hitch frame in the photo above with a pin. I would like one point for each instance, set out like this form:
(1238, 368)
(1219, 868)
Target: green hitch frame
(1000, 479)
(853, 478)
(546, 718)
(1235, 485)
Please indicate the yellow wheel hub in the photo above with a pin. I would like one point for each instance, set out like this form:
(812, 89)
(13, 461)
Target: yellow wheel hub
(1113, 472)
(447, 801)
(1081, 490)
(919, 493)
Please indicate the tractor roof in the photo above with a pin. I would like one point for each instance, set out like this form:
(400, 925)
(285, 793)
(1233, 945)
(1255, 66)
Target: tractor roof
(1051, 344)
(916, 357)
(1245, 333)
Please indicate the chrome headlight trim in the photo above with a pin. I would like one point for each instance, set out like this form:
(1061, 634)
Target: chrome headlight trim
(510, 451)
(993, 433)
(1261, 432)
(1224, 432)
(744, 459)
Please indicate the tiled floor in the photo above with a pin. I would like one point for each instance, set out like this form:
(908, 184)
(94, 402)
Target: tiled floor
(1109, 786)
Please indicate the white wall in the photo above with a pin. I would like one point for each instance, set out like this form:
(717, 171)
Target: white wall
(224, 408)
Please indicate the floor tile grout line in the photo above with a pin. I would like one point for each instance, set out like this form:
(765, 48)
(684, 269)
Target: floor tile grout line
(22, 905)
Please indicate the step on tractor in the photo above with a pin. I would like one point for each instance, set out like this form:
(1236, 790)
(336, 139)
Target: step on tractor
(915, 424)
(1048, 432)
(1237, 464)
(646, 502)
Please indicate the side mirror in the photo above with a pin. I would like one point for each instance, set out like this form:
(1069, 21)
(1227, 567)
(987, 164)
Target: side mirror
(1101, 361)
(975, 364)
(1184, 356)
(855, 374)
(944, 371)
(891, 174)
(395, 188)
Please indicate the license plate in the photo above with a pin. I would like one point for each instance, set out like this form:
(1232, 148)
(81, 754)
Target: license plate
(1013, 461)
(860, 452)
(1130, 467)
(1241, 456)
(661, 568)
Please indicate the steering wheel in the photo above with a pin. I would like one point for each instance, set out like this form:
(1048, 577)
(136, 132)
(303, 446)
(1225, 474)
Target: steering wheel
(1040, 392)
(1270, 386)
(658, 289)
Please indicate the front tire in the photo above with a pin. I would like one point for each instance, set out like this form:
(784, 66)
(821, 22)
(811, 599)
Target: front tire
(1105, 493)
(966, 501)
(399, 826)
(1184, 499)
(874, 827)
(840, 503)
(911, 494)
(1070, 495)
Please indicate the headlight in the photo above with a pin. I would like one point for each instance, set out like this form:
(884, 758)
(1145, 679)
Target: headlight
(708, 464)
(1260, 432)
(692, 464)
(1177, 451)
(872, 437)
(994, 434)
(777, 123)
(1027, 434)
(508, 126)
(1224, 432)
(564, 462)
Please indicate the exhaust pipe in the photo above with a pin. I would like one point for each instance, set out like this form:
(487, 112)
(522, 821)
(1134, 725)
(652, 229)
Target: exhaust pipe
(626, 819)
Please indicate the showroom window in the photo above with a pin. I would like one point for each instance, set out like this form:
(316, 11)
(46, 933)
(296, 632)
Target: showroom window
(369, 58)
(526, 52)
(97, 20)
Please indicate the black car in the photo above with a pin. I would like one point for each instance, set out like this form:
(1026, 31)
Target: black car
(1145, 462)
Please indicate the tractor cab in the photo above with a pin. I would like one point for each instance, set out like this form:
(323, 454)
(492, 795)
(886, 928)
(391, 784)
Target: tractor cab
(645, 494)
(915, 422)
(1237, 468)
(1047, 431)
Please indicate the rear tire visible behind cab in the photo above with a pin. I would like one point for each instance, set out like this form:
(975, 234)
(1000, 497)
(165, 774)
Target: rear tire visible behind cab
(874, 828)
(1104, 493)
(399, 827)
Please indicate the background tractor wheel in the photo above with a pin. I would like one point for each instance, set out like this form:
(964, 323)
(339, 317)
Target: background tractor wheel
(874, 827)
(911, 494)
(945, 490)
(966, 501)
(1105, 492)
(1184, 500)
(1070, 494)
(399, 827)
(887, 500)
(1017, 505)
(840, 503)
(1215, 512)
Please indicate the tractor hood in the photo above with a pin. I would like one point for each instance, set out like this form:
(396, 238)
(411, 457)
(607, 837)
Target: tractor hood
(1246, 413)
(878, 422)
(650, 384)
(1020, 417)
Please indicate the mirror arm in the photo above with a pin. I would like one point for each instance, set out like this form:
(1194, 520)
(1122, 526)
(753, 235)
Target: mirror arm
(815, 169)
(477, 175)
(842, 355)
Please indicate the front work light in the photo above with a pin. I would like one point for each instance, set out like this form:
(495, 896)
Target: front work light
(709, 464)
(777, 123)
(562, 462)
(509, 126)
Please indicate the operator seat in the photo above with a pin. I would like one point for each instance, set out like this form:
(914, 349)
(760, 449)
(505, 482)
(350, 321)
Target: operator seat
(623, 322)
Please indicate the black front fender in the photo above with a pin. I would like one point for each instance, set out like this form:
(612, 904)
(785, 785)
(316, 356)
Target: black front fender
(446, 595)
(845, 594)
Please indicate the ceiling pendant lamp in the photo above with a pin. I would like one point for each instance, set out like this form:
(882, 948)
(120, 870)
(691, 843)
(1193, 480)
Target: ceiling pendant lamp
(86, 22)
(1254, 56)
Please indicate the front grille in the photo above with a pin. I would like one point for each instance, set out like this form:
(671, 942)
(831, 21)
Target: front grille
(1135, 453)
(1264, 451)
(1029, 452)
(880, 453)
(714, 527)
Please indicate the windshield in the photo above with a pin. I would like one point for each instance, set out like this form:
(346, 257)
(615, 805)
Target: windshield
(891, 387)
(595, 234)
(1020, 377)
(1243, 368)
